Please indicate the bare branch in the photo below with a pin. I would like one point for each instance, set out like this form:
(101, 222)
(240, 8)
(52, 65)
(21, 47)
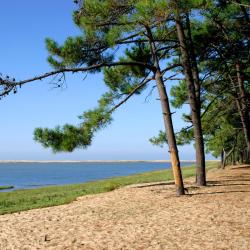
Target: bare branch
(241, 4)
(150, 93)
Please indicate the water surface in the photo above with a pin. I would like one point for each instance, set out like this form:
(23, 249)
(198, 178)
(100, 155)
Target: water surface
(32, 175)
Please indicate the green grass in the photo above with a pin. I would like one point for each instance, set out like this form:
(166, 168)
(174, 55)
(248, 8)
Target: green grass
(21, 200)
(6, 187)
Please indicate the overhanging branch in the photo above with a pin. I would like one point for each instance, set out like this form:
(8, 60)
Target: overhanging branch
(10, 85)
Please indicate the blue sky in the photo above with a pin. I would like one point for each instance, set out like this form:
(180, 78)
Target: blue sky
(24, 26)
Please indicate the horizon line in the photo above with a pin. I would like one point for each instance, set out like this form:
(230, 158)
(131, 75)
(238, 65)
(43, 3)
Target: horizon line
(86, 161)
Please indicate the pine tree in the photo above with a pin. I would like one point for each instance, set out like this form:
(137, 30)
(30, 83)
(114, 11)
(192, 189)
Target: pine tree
(139, 30)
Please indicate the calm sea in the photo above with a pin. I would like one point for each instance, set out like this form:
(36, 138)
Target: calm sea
(33, 175)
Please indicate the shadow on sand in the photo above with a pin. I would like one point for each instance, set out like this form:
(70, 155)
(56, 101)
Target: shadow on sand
(155, 184)
(237, 180)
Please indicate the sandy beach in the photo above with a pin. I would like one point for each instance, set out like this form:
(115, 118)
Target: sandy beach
(142, 217)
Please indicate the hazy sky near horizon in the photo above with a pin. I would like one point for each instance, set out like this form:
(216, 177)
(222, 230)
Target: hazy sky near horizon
(24, 26)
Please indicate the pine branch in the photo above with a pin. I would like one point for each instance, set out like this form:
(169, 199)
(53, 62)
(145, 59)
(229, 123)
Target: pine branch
(10, 85)
(142, 84)
(240, 4)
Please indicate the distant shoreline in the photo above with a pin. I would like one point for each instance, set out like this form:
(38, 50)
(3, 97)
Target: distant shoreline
(92, 161)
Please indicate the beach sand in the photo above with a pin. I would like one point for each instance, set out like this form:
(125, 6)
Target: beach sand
(142, 217)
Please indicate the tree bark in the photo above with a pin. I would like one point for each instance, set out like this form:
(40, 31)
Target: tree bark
(241, 157)
(244, 11)
(226, 156)
(194, 102)
(170, 134)
(222, 158)
(194, 66)
(243, 107)
(167, 118)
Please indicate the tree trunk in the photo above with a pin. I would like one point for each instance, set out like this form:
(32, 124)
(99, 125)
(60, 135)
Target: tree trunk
(243, 107)
(170, 134)
(194, 66)
(233, 158)
(222, 158)
(194, 103)
(226, 156)
(241, 157)
(247, 156)
(245, 13)
(167, 118)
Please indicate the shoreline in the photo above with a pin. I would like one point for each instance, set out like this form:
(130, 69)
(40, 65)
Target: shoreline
(134, 217)
(95, 161)
(47, 196)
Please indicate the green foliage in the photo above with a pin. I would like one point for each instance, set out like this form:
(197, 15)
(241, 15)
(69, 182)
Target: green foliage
(220, 40)
(104, 25)
(185, 136)
(221, 131)
(6, 187)
(70, 137)
(179, 94)
(145, 10)
(77, 51)
(139, 53)
(159, 140)
(120, 80)
(123, 79)
(66, 138)
(220, 36)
